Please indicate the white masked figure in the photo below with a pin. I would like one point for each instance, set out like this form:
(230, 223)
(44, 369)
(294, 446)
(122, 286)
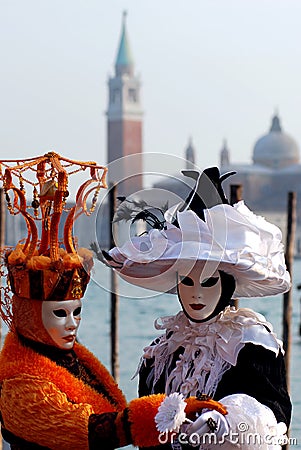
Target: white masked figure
(209, 252)
(61, 321)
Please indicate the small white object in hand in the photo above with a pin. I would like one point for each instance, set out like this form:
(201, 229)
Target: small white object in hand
(171, 413)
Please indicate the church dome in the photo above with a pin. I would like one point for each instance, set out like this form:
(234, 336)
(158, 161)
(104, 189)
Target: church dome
(276, 149)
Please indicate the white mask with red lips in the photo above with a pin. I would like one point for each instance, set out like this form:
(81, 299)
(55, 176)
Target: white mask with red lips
(199, 293)
(61, 321)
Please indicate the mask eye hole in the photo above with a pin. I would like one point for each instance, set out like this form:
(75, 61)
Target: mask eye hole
(209, 282)
(60, 313)
(187, 281)
(77, 311)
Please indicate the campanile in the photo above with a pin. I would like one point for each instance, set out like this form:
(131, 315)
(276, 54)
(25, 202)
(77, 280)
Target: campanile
(124, 121)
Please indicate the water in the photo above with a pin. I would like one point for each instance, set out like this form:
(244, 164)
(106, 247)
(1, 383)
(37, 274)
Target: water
(136, 330)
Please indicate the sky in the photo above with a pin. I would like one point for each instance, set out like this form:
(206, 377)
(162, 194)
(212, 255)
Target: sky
(210, 70)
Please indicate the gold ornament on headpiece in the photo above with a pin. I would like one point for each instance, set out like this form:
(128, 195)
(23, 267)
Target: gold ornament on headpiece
(45, 268)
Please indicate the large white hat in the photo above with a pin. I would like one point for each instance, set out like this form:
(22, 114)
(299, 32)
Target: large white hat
(228, 238)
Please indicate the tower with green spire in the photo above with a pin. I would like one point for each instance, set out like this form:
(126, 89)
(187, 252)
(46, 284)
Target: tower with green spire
(124, 121)
(124, 62)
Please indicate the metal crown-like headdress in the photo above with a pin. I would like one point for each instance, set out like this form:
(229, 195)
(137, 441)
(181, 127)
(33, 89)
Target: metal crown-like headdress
(43, 267)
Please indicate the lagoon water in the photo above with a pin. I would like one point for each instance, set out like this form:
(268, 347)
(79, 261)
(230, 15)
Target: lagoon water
(139, 308)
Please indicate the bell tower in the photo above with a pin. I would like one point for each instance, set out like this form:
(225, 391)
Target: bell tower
(124, 121)
(224, 156)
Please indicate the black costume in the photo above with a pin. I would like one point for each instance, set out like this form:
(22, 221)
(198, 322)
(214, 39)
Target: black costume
(258, 372)
(210, 347)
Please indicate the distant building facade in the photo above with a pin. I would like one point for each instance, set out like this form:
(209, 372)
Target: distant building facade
(266, 182)
(275, 171)
(179, 184)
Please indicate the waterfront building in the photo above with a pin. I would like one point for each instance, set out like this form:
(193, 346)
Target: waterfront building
(274, 172)
(125, 121)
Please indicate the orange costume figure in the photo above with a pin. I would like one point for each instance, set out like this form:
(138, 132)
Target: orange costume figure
(54, 394)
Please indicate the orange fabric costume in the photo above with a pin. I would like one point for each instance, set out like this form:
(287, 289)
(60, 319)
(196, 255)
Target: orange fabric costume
(32, 383)
(43, 403)
(53, 395)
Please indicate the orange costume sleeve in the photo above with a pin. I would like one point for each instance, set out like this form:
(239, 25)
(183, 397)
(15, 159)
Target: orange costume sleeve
(43, 403)
(39, 412)
(142, 412)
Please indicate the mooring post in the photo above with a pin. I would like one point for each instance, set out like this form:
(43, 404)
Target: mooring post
(235, 196)
(2, 244)
(235, 193)
(288, 297)
(299, 288)
(114, 293)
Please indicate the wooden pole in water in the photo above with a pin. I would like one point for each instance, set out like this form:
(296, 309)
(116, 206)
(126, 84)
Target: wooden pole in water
(299, 287)
(235, 193)
(235, 196)
(288, 296)
(2, 243)
(114, 294)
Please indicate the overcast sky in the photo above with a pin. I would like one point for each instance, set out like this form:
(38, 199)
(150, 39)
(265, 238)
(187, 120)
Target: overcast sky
(210, 69)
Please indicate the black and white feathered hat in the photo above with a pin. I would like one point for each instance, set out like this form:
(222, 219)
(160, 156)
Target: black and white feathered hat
(206, 230)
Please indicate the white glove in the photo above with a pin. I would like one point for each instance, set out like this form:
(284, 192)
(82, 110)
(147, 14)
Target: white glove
(209, 422)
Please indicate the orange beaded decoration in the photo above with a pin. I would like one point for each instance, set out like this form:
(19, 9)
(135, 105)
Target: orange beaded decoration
(42, 267)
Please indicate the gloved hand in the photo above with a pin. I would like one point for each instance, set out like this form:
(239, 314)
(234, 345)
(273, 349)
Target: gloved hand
(209, 422)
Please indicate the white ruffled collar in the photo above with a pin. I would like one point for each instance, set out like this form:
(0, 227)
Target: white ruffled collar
(227, 331)
(212, 346)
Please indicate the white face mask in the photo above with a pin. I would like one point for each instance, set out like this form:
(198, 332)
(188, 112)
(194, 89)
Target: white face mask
(199, 293)
(61, 320)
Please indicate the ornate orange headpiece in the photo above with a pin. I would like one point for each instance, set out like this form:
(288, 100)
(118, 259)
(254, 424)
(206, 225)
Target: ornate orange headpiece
(43, 267)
